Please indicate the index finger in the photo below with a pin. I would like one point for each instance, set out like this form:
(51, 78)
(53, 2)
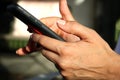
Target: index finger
(49, 43)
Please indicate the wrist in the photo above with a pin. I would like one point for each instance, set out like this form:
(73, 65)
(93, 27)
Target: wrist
(114, 67)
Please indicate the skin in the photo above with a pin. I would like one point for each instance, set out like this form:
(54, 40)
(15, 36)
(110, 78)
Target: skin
(84, 55)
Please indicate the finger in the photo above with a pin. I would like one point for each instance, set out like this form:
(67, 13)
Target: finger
(21, 51)
(49, 43)
(50, 55)
(70, 37)
(30, 47)
(64, 10)
(76, 29)
(49, 21)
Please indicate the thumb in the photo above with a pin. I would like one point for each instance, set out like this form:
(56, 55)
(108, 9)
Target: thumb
(73, 27)
(65, 11)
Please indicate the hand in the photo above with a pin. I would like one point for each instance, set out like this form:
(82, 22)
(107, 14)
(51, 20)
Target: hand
(51, 23)
(90, 58)
(85, 55)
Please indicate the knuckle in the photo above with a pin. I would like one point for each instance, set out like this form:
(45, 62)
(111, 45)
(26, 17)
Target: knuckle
(64, 74)
(66, 49)
(92, 31)
(63, 65)
(42, 40)
(63, 49)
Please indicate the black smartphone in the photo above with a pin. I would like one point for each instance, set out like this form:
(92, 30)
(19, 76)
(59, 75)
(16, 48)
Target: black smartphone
(33, 23)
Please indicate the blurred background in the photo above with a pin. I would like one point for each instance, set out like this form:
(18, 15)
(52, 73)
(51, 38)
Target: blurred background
(101, 15)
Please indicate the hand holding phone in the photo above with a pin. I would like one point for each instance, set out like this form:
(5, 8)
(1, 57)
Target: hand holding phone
(33, 23)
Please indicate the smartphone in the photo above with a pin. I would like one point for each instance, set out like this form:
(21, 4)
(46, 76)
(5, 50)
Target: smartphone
(33, 23)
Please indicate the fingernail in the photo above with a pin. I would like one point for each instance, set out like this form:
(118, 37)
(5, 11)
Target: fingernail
(19, 52)
(61, 22)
